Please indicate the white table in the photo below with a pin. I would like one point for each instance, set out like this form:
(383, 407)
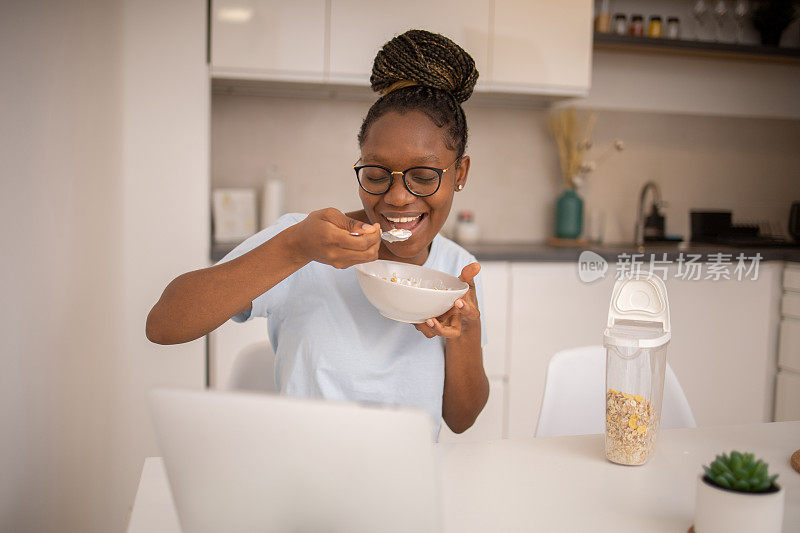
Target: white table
(560, 484)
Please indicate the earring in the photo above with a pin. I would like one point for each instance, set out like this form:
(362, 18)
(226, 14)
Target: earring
(460, 187)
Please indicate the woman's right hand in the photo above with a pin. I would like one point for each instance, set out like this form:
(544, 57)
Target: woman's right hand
(326, 236)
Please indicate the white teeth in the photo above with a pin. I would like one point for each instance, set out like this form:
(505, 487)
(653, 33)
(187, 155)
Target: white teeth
(403, 219)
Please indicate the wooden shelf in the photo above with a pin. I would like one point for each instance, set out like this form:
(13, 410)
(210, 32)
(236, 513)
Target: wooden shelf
(628, 43)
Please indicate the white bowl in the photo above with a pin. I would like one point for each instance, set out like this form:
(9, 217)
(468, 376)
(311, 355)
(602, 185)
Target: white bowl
(418, 293)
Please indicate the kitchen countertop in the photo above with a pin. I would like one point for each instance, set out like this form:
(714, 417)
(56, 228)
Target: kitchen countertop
(541, 252)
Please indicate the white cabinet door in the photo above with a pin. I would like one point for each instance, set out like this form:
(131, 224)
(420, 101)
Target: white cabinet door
(724, 338)
(789, 350)
(790, 305)
(791, 278)
(268, 39)
(551, 310)
(359, 29)
(489, 425)
(494, 277)
(787, 396)
(542, 45)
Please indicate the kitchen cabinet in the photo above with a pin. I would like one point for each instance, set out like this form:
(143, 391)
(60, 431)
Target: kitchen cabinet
(724, 338)
(787, 396)
(790, 305)
(537, 47)
(267, 39)
(495, 280)
(358, 29)
(787, 385)
(542, 46)
(490, 424)
(789, 349)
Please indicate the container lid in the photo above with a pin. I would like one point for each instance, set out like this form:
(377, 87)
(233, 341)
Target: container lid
(638, 316)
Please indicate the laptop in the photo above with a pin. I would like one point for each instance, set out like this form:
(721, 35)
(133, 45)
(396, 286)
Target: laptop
(240, 462)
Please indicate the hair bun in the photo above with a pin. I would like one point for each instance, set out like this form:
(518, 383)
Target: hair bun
(419, 57)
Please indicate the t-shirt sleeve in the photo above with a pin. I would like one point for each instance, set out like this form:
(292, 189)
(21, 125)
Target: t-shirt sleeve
(266, 302)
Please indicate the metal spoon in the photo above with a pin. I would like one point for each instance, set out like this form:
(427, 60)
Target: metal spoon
(396, 235)
(393, 235)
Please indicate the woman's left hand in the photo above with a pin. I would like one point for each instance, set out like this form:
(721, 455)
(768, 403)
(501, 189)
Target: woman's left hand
(464, 313)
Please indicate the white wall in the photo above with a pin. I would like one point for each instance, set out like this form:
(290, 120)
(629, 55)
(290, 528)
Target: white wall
(104, 148)
(62, 262)
(166, 200)
(749, 165)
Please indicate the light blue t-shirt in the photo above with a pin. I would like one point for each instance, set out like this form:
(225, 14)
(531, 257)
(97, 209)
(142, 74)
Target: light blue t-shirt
(330, 342)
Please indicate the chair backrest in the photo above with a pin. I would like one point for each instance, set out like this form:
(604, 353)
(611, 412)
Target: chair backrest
(254, 369)
(574, 396)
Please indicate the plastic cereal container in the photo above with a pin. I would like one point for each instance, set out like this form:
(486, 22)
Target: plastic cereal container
(636, 339)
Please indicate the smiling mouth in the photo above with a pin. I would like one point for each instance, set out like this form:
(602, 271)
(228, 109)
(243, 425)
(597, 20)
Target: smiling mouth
(409, 223)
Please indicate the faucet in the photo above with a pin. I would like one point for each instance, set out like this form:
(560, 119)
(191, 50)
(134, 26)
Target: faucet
(639, 230)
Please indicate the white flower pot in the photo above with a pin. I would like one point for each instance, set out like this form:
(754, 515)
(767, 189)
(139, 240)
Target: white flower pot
(720, 510)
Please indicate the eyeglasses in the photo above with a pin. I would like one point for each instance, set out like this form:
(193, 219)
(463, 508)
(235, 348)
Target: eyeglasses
(420, 181)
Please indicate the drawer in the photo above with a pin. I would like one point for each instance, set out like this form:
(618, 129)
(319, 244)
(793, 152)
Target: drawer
(791, 278)
(789, 347)
(787, 396)
(790, 306)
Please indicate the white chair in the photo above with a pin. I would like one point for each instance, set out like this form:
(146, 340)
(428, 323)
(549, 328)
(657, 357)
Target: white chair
(574, 396)
(254, 369)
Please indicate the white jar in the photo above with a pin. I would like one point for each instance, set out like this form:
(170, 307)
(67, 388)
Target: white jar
(636, 342)
(467, 230)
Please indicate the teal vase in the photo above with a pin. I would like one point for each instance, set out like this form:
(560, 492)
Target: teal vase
(569, 215)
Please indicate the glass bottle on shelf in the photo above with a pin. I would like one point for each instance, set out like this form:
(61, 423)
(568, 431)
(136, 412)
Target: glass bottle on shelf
(602, 23)
(673, 28)
(720, 10)
(637, 26)
(620, 24)
(699, 10)
(740, 11)
(654, 27)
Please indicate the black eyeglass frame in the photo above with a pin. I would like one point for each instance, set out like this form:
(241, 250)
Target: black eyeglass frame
(439, 171)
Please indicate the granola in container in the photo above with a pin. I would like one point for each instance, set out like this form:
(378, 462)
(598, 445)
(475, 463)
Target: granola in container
(636, 338)
(631, 428)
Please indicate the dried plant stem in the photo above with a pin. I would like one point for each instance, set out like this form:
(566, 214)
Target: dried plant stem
(572, 143)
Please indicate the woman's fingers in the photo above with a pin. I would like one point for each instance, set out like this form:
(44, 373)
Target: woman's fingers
(348, 258)
(446, 325)
(468, 274)
(425, 329)
(349, 233)
(369, 237)
(448, 329)
(466, 308)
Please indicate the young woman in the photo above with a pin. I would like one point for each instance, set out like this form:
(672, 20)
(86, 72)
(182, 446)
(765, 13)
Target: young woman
(329, 340)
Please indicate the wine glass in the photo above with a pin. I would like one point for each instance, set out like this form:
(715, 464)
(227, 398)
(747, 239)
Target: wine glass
(699, 10)
(720, 10)
(740, 10)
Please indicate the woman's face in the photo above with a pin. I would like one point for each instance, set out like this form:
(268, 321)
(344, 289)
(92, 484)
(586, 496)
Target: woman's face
(398, 142)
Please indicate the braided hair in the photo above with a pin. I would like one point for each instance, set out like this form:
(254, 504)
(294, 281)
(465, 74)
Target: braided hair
(426, 72)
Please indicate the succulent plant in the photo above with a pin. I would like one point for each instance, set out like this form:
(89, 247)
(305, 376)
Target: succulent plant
(740, 472)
